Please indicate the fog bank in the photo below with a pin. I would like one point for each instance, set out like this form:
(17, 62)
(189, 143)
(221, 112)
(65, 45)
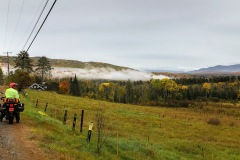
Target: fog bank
(97, 73)
(104, 73)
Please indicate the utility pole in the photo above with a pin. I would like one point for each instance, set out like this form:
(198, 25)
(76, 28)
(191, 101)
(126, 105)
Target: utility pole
(7, 60)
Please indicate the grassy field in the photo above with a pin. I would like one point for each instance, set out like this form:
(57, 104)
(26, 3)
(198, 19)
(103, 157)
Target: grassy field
(211, 131)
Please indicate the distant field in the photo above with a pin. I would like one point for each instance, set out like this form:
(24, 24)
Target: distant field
(211, 131)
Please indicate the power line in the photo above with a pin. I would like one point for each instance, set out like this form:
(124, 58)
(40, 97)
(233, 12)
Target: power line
(35, 24)
(17, 23)
(6, 26)
(28, 28)
(42, 24)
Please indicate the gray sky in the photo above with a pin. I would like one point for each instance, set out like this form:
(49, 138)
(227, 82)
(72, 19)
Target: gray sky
(141, 34)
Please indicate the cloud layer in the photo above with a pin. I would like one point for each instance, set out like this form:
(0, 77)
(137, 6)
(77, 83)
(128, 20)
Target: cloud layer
(141, 34)
(104, 73)
(98, 73)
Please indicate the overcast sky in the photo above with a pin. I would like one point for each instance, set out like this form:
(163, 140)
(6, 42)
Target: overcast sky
(140, 34)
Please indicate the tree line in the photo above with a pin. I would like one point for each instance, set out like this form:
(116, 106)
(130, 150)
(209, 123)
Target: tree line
(26, 72)
(155, 92)
(178, 92)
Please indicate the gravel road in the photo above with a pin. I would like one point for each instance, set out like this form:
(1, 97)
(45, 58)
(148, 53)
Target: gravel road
(15, 144)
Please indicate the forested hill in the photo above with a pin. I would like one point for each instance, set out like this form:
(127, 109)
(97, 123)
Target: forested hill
(85, 70)
(218, 69)
(67, 63)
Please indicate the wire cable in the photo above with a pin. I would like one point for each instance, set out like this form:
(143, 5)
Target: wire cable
(35, 24)
(17, 24)
(42, 24)
(28, 28)
(6, 25)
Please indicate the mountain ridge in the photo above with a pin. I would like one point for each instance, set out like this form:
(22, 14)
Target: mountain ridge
(68, 63)
(218, 69)
(86, 70)
(76, 64)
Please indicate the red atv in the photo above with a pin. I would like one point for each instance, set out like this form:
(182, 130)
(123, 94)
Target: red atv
(11, 109)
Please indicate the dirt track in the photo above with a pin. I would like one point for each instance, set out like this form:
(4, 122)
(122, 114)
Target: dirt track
(15, 144)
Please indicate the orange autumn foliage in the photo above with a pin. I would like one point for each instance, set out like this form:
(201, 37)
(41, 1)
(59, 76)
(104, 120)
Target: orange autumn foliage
(64, 87)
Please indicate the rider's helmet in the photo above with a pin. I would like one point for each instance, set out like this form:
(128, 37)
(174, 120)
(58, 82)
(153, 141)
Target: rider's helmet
(13, 85)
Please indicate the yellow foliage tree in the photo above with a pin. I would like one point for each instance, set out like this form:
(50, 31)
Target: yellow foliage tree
(184, 88)
(168, 87)
(106, 90)
(207, 88)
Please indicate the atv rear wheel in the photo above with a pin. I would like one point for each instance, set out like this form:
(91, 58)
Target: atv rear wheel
(18, 117)
(10, 118)
(1, 117)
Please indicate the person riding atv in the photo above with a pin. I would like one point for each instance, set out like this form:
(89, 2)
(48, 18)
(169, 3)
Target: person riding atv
(11, 106)
(12, 91)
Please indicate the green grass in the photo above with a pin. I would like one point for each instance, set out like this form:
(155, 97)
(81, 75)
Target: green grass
(133, 132)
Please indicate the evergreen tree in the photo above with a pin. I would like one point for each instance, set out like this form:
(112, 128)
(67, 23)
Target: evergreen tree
(43, 65)
(71, 86)
(23, 62)
(74, 87)
(129, 91)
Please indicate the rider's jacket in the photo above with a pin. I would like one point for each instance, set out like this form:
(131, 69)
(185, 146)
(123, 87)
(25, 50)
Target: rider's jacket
(11, 93)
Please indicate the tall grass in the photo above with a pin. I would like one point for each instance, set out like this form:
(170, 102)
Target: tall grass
(133, 132)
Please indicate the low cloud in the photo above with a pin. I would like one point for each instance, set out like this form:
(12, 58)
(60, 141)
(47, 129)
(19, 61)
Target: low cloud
(97, 73)
(104, 73)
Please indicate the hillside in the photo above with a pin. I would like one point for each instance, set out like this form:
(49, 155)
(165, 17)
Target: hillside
(218, 69)
(67, 63)
(203, 131)
(87, 70)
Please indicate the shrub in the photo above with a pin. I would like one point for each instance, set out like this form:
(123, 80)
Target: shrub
(214, 99)
(214, 121)
(176, 103)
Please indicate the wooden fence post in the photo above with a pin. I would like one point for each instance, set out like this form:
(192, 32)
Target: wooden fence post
(81, 123)
(117, 143)
(74, 121)
(37, 103)
(65, 117)
(89, 132)
(46, 107)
